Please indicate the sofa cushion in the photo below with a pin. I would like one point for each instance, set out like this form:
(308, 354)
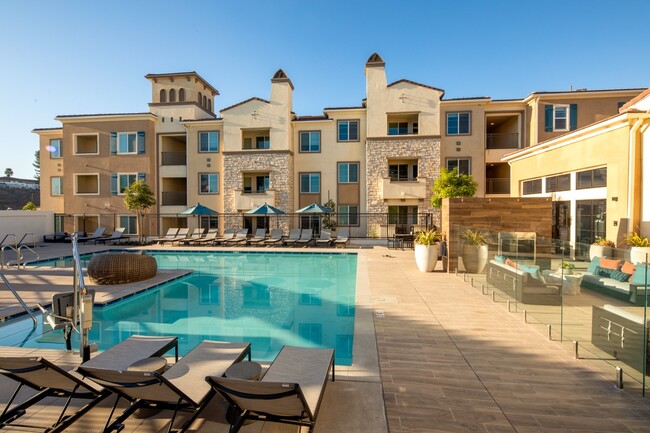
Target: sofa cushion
(620, 275)
(628, 268)
(595, 262)
(639, 276)
(499, 258)
(609, 263)
(533, 270)
(605, 282)
(603, 272)
(511, 263)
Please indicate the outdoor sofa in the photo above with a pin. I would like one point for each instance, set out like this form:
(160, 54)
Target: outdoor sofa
(522, 282)
(618, 279)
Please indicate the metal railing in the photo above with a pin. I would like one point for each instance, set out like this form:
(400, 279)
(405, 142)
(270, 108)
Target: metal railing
(172, 198)
(33, 239)
(502, 140)
(21, 256)
(497, 185)
(174, 158)
(20, 300)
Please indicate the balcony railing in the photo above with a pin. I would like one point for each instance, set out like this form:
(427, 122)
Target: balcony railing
(404, 188)
(174, 158)
(497, 185)
(173, 198)
(502, 140)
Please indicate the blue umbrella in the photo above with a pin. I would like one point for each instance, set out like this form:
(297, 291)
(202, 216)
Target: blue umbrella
(265, 209)
(199, 209)
(314, 208)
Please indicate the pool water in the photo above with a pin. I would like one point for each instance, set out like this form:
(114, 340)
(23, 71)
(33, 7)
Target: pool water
(267, 299)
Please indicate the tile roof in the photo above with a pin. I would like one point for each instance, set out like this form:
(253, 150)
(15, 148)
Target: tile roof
(634, 100)
(308, 118)
(343, 108)
(375, 60)
(66, 116)
(415, 84)
(182, 74)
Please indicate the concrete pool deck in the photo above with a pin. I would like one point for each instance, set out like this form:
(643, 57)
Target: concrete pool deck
(450, 360)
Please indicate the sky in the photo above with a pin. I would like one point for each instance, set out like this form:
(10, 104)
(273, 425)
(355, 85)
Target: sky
(90, 57)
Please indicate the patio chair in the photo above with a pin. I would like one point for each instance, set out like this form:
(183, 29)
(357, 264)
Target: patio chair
(182, 387)
(290, 392)
(195, 235)
(117, 235)
(50, 380)
(294, 235)
(260, 236)
(240, 238)
(325, 238)
(56, 237)
(209, 237)
(183, 233)
(171, 234)
(99, 232)
(305, 237)
(342, 237)
(274, 238)
(228, 234)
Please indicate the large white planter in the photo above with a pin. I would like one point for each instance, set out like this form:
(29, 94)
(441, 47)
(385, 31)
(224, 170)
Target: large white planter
(475, 257)
(639, 254)
(426, 257)
(599, 251)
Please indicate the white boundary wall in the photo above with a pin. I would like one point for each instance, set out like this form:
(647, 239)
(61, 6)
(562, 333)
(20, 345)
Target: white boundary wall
(20, 222)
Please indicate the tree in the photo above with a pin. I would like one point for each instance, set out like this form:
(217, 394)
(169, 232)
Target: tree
(451, 184)
(138, 197)
(37, 165)
(29, 206)
(9, 172)
(328, 221)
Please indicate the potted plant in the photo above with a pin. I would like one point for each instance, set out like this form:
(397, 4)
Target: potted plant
(601, 248)
(475, 250)
(640, 247)
(567, 268)
(426, 250)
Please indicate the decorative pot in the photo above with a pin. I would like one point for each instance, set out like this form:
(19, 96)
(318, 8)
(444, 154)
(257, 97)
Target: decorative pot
(475, 257)
(639, 254)
(599, 251)
(426, 257)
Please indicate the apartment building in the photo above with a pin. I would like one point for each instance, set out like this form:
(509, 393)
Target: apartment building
(377, 161)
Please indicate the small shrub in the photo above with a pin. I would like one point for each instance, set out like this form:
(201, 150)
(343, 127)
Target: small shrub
(428, 237)
(474, 237)
(636, 240)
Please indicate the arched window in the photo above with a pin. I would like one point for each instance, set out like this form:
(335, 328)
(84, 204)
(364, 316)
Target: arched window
(205, 101)
(163, 95)
(172, 95)
(210, 105)
(181, 95)
(200, 98)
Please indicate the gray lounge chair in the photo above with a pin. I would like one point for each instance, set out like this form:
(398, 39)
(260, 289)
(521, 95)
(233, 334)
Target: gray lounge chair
(305, 237)
(171, 234)
(194, 236)
(239, 238)
(182, 387)
(274, 238)
(228, 234)
(290, 392)
(51, 380)
(99, 232)
(258, 237)
(116, 236)
(325, 238)
(343, 237)
(182, 234)
(209, 237)
(294, 235)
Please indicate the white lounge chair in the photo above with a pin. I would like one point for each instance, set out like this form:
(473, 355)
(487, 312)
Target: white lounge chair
(171, 234)
(258, 237)
(274, 238)
(325, 238)
(183, 233)
(194, 236)
(209, 237)
(182, 387)
(294, 235)
(290, 392)
(342, 237)
(305, 237)
(240, 238)
(117, 235)
(228, 234)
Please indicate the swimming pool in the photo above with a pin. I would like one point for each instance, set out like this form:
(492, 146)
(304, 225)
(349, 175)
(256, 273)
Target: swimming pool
(267, 298)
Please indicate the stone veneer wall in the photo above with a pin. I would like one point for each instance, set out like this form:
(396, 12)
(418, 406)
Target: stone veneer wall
(497, 215)
(280, 168)
(378, 150)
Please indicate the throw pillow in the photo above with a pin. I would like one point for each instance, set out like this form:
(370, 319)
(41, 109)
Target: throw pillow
(610, 263)
(500, 259)
(619, 276)
(533, 270)
(511, 263)
(595, 262)
(639, 277)
(604, 272)
(628, 268)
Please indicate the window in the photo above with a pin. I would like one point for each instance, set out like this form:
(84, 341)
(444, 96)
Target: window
(163, 95)
(125, 180)
(310, 183)
(403, 216)
(57, 186)
(209, 141)
(398, 128)
(348, 172)
(130, 224)
(200, 99)
(310, 141)
(348, 130)
(208, 183)
(529, 187)
(86, 184)
(181, 95)
(86, 144)
(558, 183)
(210, 221)
(209, 295)
(348, 215)
(55, 148)
(591, 178)
(403, 172)
(126, 143)
(462, 164)
(560, 117)
(458, 123)
(311, 332)
(172, 95)
(256, 183)
(262, 142)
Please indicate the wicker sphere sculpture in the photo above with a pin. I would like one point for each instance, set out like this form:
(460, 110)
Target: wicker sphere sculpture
(106, 269)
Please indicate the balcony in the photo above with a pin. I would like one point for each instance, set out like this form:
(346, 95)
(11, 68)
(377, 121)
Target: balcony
(502, 140)
(173, 158)
(174, 198)
(497, 186)
(251, 200)
(400, 189)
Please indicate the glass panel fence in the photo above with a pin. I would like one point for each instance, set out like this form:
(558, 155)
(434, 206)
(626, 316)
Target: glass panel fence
(592, 298)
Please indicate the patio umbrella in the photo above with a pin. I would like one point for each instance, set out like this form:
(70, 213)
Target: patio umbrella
(199, 209)
(314, 208)
(267, 209)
